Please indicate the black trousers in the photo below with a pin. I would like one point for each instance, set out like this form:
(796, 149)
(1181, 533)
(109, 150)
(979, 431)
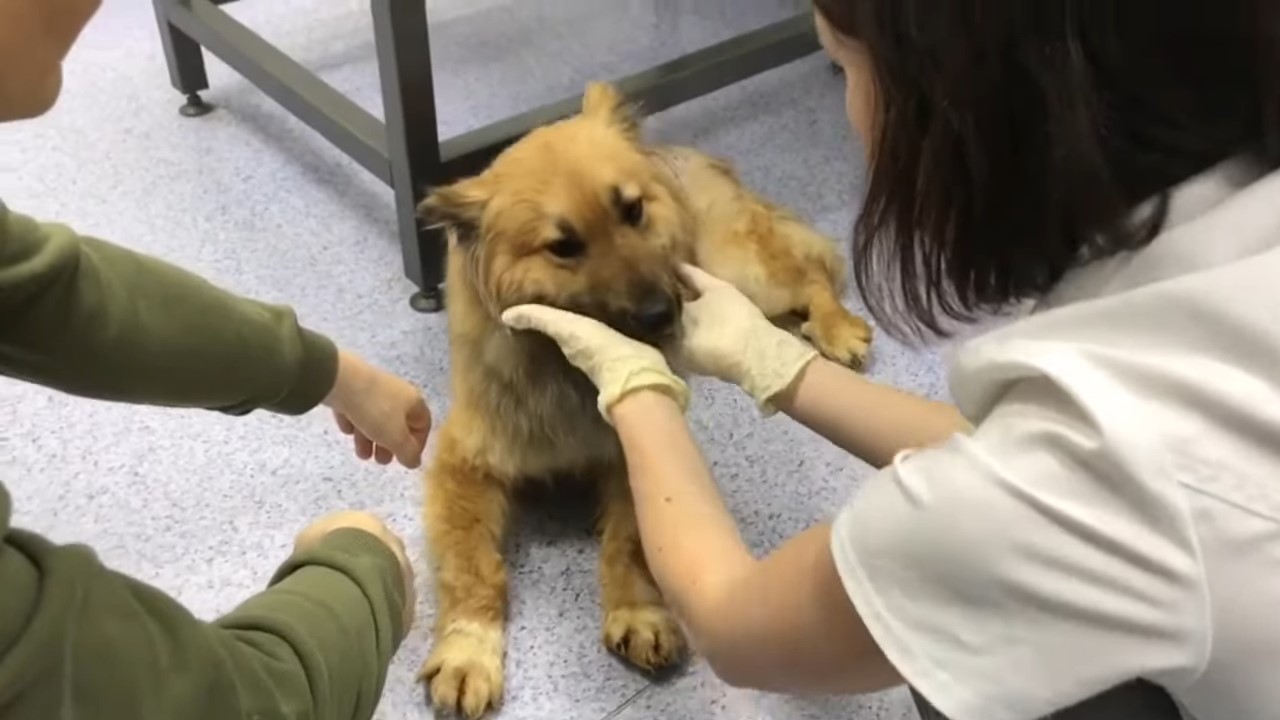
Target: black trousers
(1138, 700)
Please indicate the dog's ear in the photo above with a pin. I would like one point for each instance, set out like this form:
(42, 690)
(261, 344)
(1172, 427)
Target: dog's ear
(460, 205)
(603, 101)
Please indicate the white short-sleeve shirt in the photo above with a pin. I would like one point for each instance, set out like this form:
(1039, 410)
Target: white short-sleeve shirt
(1115, 514)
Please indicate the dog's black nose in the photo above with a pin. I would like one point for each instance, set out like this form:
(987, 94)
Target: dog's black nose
(656, 313)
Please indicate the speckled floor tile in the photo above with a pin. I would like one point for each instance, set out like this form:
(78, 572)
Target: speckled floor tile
(698, 695)
(205, 506)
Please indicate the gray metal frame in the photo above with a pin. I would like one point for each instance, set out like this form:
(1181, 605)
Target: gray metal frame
(404, 150)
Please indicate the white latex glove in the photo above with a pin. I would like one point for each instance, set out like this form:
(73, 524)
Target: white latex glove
(616, 364)
(725, 335)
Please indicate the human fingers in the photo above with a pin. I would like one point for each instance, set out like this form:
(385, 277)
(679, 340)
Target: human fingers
(406, 439)
(344, 423)
(409, 454)
(356, 519)
(558, 324)
(372, 524)
(699, 279)
(419, 417)
(404, 445)
(364, 446)
(573, 332)
(409, 451)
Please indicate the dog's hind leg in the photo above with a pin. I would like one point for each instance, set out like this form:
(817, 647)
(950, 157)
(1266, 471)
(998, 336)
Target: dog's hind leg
(793, 273)
(465, 519)
(637, 624)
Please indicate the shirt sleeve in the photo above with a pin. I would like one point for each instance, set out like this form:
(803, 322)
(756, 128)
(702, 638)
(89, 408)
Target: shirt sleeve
(79, 640)
(90, 318)
(1023, 568)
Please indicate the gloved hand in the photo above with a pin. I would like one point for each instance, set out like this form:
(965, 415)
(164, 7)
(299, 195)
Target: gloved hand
(616, 364)
(725, 335)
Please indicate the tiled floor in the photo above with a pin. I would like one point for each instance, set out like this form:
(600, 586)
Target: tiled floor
(205, 505)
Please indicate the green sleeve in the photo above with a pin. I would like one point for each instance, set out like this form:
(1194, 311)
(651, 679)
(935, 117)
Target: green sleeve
(94, 319)
(79, 640)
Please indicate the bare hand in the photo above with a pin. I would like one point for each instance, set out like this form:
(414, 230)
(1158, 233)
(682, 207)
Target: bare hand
(386, 415)
(359, 520)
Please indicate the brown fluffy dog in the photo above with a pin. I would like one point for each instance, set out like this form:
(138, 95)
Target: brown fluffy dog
(582, 215)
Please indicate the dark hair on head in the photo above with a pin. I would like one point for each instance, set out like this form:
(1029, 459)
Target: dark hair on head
(1017, 137)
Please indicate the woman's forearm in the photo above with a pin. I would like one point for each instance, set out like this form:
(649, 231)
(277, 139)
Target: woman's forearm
(867, 419)
(691, 542)
(782, 624)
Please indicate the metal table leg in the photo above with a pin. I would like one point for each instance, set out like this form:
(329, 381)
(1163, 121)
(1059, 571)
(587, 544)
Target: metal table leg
(413, 143)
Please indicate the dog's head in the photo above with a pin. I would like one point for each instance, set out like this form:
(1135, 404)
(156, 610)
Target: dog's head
(576, 215)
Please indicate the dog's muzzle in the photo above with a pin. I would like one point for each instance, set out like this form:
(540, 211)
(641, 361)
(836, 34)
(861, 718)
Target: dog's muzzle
(656, 314)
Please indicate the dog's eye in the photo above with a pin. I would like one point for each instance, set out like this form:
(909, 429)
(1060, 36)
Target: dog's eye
(567, 248)
(633, 211)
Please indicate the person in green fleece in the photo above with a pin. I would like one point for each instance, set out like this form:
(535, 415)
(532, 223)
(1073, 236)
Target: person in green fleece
(79, 640)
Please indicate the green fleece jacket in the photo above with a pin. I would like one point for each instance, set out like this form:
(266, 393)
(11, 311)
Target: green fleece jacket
(78, 640)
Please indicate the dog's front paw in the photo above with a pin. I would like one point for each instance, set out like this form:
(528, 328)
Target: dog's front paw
(648, 636)
(464, 669)
(841, 339)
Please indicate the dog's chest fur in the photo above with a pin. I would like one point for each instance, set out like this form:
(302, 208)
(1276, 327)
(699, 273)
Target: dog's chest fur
(540, 414)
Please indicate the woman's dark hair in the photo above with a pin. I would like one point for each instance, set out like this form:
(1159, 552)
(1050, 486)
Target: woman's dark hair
(1017, 137)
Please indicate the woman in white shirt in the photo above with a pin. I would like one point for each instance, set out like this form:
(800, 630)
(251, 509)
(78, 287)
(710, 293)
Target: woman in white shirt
(1102, 505)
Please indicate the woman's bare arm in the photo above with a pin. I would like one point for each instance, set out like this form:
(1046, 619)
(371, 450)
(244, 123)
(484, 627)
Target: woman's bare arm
(869, 420)
(781, 624)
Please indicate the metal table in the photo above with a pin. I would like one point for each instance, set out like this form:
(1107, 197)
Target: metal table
(404, 149)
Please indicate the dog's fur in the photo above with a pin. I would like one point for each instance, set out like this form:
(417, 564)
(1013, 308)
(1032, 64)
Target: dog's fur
(583, 215)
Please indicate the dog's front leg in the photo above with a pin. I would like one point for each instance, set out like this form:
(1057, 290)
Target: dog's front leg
(465, 519)
(637, 624)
